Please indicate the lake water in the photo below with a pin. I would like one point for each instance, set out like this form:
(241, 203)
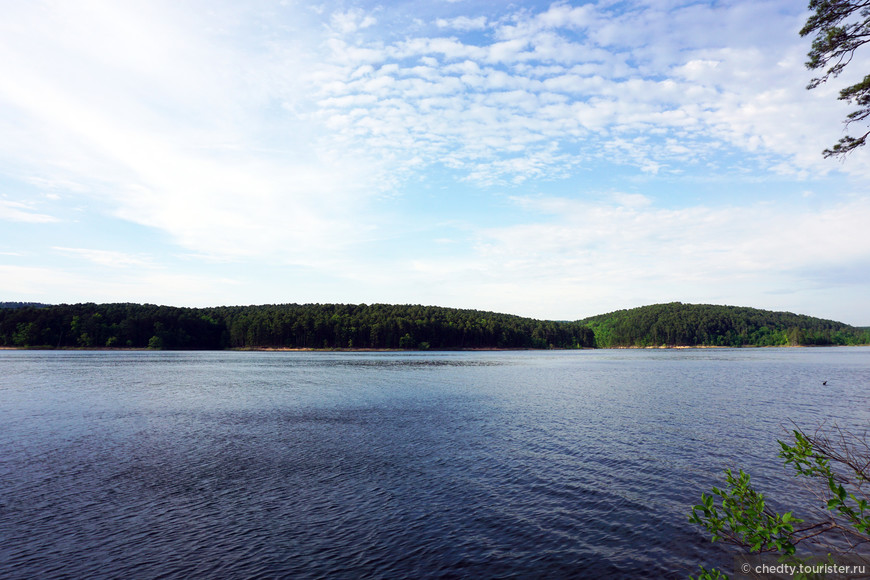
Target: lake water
(558, 464)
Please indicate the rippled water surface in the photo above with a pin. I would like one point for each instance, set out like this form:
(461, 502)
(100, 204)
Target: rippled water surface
(391, 465)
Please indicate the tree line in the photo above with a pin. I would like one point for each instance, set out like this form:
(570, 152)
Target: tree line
(385, 326)
(326, 326)
(677, 324)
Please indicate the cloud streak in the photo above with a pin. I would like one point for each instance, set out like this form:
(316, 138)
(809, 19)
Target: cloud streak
(193, 158)
(22, 212)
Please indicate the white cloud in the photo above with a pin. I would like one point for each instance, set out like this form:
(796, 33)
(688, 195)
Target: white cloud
(110, 258)
(175, 134)
(763, 237)
(55, 285)
(463, 23)
(580, 258)
(29, 283)
(351, 21)
(21, 212)
(563, 77)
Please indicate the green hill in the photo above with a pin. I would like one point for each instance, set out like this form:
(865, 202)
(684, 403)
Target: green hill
(678, 324)
(385, 326)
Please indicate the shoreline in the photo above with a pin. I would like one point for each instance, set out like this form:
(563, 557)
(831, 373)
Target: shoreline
(281, 349)
(454, 349)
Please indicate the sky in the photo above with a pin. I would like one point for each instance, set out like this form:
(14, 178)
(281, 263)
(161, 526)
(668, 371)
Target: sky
(553, 160)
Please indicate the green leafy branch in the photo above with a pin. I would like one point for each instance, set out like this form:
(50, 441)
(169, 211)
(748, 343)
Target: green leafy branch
(743, 518)
(836, 465)
(842, 464)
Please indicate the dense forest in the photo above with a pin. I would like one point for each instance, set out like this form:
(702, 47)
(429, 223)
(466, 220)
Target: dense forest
(281, 326)
(677, 324)
(383, 326)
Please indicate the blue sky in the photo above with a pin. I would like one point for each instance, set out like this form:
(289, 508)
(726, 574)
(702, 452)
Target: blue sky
(554, 160)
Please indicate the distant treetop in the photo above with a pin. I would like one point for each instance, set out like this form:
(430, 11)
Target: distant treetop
(22, 305)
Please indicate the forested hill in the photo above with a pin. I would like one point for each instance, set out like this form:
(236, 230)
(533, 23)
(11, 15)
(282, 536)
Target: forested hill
(677, 324)
(281, 326)
(405, 327)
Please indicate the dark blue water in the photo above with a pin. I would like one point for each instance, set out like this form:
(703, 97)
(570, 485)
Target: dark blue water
(393, 465)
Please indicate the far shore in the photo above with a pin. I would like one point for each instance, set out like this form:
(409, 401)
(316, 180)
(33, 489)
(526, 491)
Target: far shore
(280, 349)
(456, 349)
